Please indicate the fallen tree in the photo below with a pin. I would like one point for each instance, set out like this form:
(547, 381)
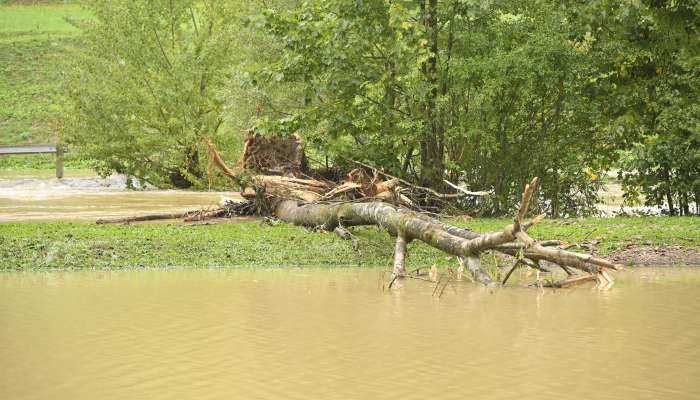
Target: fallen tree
(467, 245)
(364, 199)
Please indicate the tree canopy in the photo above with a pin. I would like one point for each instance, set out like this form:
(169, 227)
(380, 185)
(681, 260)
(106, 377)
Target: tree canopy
(146, 86)
(483, 93)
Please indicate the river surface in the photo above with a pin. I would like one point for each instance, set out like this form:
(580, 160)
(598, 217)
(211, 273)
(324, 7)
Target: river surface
(86, 197)
(80, 195)
(334, 334)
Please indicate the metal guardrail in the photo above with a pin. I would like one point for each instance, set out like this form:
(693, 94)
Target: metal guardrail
(8, 150)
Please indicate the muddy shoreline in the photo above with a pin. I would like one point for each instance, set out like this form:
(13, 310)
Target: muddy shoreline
(650, 255)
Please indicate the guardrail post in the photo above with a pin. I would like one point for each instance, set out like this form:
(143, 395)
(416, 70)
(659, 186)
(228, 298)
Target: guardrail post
(59, 161)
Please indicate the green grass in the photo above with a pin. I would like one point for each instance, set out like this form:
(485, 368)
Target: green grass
(35, 43)
(29, 22)
(80, 245)
(41, 162)
(30, 89)
(611, 233)
(64, 245)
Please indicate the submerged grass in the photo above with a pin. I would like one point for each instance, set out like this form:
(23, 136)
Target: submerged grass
(66, 245)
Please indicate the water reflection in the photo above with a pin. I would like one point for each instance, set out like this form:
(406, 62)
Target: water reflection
(313, 333)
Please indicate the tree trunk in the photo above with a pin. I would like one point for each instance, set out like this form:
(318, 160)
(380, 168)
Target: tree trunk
(408, 225)
(684, 206)
(182, 178)
(400, 256)
(669, 193)
(432, 142)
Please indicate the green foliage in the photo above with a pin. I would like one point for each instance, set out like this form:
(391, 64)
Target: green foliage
(653, 53)
(493, 93)
(247, 102)
(665, 169)
(146, 86)
(486, 93)
(83, 245)
(612, 233)
(37, 162)
(28, 93)
(483, 93)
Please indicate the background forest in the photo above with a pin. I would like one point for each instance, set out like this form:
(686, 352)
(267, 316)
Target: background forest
(485, 94)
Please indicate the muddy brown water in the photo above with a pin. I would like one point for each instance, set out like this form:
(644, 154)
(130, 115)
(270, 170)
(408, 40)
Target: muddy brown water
(89, 198)
(334, 334)
(38, 196)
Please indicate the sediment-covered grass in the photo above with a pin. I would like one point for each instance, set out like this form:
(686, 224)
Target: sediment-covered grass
(65, 245)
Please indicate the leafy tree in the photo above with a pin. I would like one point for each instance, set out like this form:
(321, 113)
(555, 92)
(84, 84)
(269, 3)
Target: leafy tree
(147, 84)
(488, 93)
(652, 76)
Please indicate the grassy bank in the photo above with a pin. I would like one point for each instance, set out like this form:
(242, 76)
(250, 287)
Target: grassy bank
(36, 42)
(65, 245)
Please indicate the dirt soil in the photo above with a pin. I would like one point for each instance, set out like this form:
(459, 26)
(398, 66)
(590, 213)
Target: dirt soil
(656, 255)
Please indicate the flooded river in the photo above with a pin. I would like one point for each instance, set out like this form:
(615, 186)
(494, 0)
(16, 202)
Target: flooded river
(85, 197)
(38, 196)
(334, 334)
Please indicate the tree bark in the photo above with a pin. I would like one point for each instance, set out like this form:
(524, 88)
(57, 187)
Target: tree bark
(468, 245)
(669, 192)
(400, 256)
(142, 218)
(432, 140)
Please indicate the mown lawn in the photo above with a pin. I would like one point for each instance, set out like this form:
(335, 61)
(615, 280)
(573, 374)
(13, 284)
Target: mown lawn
(65, 245)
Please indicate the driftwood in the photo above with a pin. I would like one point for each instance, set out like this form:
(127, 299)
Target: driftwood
(226, 208)
(577, 280)
(187, 216)
(279, 165)
(462, 192)
(215, 159)
(143, 218)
